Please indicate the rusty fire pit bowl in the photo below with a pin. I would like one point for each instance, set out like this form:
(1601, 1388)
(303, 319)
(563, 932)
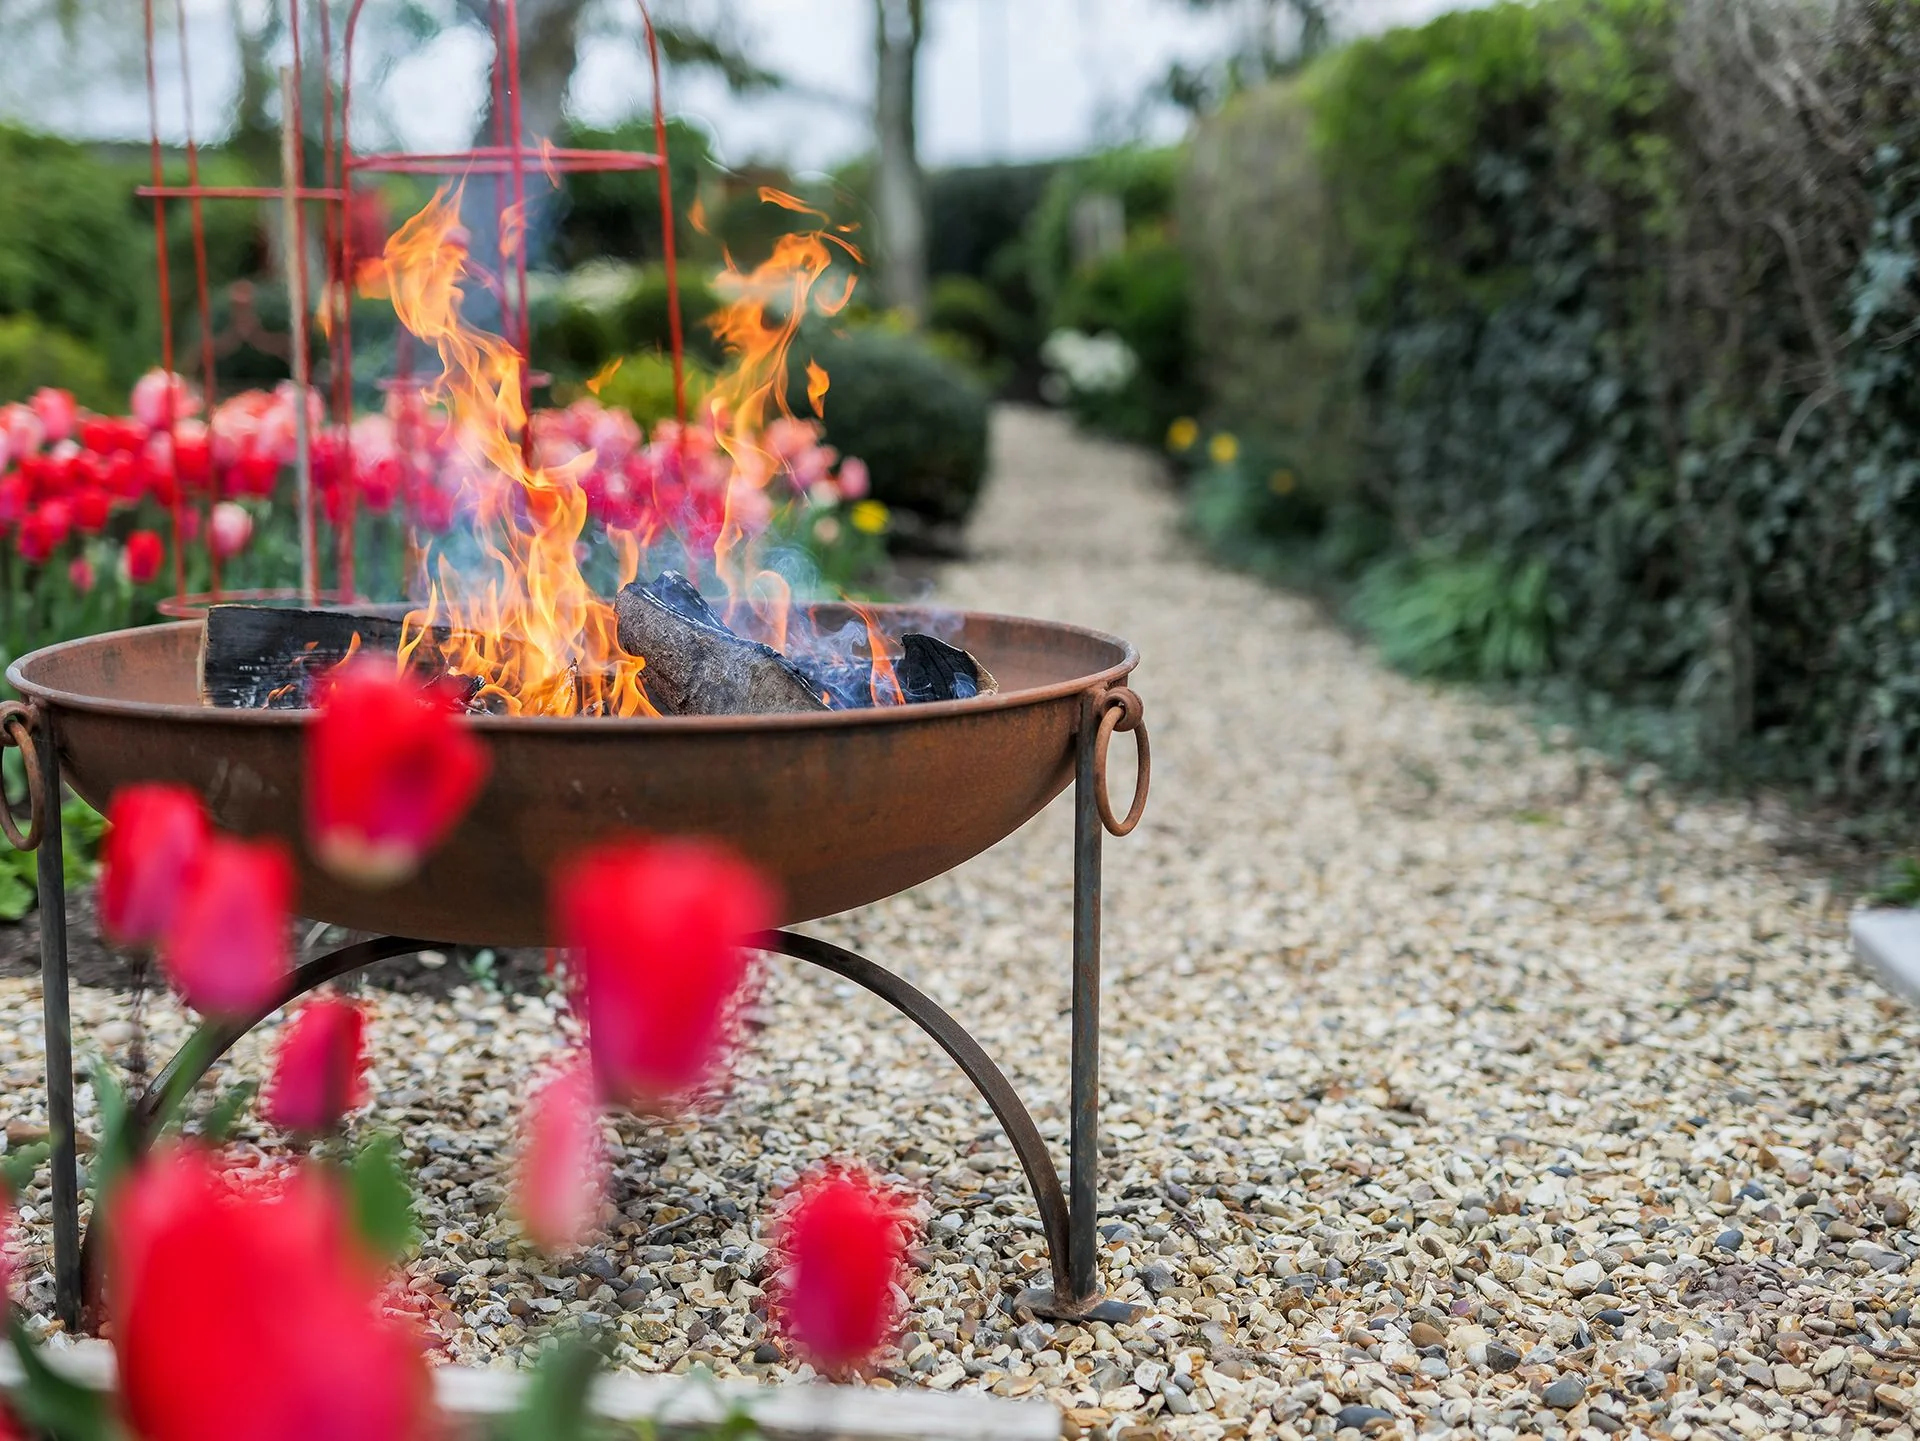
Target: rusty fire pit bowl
(843, 808)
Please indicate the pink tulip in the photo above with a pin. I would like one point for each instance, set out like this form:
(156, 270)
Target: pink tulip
(229, 529)
(155, 835)
(226, 950)
(855, 482)
(562, 1172)
(319, 1072)
(659, 928)
(57, 412)
(153, 391)
(843, 1252)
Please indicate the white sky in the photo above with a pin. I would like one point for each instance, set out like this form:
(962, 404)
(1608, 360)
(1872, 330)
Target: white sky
(1001, 79)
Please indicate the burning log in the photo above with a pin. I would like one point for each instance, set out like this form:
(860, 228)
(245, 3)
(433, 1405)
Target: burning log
(263, 657)
(931, 670)
(695, 665)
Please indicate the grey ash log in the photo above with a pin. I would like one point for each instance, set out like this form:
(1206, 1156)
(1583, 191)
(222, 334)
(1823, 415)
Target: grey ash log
(929, 669)
(263, 657)
(695, 665)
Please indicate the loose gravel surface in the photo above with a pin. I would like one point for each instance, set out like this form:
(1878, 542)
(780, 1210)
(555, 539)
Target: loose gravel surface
(1453, 1081)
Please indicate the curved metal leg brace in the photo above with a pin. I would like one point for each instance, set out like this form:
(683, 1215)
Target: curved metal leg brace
(1060, 1223)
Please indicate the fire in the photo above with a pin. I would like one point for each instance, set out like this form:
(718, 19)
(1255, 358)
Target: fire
(523, 621)
(531, 631)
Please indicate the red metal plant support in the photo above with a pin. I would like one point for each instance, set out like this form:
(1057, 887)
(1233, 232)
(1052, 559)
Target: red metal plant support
(509, 158)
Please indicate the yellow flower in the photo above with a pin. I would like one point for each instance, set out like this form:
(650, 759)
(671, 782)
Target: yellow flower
(1182, 434)
(869, 516)
(1224, 449)
(1281, 482)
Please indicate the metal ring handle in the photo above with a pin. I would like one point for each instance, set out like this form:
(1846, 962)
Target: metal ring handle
(1121, 710)
(16, 729)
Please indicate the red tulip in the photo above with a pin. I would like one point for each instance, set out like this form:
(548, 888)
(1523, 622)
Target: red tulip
(226, 948)
(80, 574)
(562, 1173)
(319, 1071)
(145, 552)
(252, 1315)
(15, 497)
(91, 507)
(842, 1249)
(659, 927)
(389, 772)
(36, 540)
(155, 835)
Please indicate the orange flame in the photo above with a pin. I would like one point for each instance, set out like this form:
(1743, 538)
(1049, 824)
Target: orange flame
(524, 622)
(532, 632)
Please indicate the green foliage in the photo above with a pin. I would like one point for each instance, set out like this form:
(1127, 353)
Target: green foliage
(1139, 295)
(918, 421)
(973, 212)
(33, 354)
(1143, 180)
(980, 328)
(573, 340)
(71, 252)
(643, 386)
(1463, 618)
(382, 1198)
(1901, 885)
(56, 1408)
(617, 213)
(1622, 293)
(554, 1406)
(642, 320)
(1275, 339)
(81, 827)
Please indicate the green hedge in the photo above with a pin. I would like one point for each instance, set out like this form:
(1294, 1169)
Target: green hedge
(1575, 291)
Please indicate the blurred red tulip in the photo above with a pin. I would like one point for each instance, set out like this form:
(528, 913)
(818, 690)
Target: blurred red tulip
(390, 770)
(14, 498)
(57, 412)
(659, 929)
(80, 574)
(144, 554)
(842, 1249)
(319, 1070)
(90, 510)
(155, 835)
(252, 1315)
(226, 948)
(57, 518)
(35, 541)
(228, 530)
(562, 1171)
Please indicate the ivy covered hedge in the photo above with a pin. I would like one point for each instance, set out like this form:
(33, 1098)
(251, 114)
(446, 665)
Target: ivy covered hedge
(1615, 298)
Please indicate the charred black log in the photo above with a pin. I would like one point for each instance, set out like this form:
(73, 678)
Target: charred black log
(695, 665)
(930, 670)
(263, 657)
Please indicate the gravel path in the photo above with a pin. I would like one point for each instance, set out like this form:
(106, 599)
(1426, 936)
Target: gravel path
(1452, 1082)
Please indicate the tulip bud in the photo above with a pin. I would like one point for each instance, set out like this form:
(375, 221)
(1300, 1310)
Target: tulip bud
(319, 1070)
(842, 1249)
(154, 839)
(562, 1171)
(228, 530)
(226, 949)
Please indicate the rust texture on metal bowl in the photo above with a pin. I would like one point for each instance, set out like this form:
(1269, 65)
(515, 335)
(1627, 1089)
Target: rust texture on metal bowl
(842, 808)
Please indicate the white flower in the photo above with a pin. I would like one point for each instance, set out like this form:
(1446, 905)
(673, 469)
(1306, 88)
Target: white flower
(1090, 364)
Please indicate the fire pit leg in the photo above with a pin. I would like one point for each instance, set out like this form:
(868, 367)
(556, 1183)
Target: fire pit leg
(30, 729)
(1076, 1283)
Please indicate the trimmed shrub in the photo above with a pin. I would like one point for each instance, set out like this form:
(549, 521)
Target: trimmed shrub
(643, 386)
(1275, 334)
(616, 214)
(641, 321)
(919, 421)
(972, 319)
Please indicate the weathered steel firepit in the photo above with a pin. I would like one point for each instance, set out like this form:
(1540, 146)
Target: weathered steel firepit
(842, 807)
